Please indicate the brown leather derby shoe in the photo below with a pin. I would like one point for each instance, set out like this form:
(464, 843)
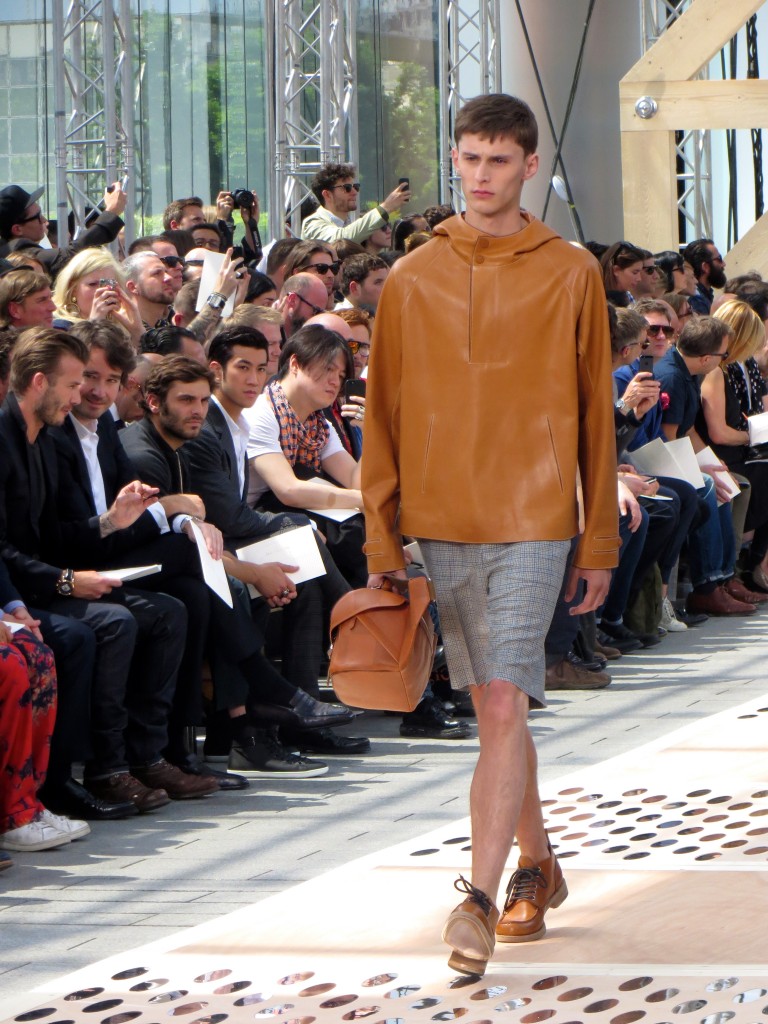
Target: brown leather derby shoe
(532, 890)
(718, 602)
(177, 784)
(470, 930)
(122, 786)
(736, 589)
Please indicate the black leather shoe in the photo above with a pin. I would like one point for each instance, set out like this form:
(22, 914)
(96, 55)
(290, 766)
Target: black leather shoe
(624, 644)
(324, 741)
(691, 618)
(191, 764)
(430, 721)
(305, 714)
(76, 801)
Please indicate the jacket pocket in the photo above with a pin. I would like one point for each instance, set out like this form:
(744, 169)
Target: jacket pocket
(427, 447)
(554, 454)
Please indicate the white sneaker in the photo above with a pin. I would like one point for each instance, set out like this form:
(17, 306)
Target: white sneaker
(37, 835)
(71, 827)
(669, 620)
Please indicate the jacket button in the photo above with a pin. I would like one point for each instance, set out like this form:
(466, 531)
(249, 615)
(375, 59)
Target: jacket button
(483, 243)
(479, 259)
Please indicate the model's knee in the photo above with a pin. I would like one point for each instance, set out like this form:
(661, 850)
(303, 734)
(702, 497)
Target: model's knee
(502, 705)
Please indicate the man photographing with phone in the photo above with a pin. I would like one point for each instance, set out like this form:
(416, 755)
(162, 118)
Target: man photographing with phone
(336, 190)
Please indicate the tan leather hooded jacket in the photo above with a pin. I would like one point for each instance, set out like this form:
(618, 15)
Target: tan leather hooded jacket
(489, 383)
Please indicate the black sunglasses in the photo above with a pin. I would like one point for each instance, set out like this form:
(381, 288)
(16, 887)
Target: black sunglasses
(349, 186)
(323, 268)
(171, 261)
(315, 309)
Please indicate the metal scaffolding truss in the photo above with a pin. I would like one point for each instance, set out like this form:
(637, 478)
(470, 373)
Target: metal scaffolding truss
(313, 107)
(92, 56)
(470, 65)
(693, 149)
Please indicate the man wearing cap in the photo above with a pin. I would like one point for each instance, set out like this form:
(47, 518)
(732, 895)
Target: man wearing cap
(23, 226)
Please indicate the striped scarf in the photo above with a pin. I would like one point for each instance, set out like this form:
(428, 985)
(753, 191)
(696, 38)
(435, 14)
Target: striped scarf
(302, 443)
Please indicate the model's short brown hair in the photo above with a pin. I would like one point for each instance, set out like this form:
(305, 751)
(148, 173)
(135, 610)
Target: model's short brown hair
(175, 209)
(39, 350)
(16, 286)
(113, 341)
(703, 336)
(172, 370)
(498, 115)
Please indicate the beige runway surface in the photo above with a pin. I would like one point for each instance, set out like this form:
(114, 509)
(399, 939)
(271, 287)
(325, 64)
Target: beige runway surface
(665, 850)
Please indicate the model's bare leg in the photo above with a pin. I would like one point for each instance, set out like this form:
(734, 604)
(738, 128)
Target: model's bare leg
(504, 798)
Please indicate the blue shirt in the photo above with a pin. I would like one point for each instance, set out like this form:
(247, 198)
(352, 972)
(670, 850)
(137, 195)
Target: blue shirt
(683, 390)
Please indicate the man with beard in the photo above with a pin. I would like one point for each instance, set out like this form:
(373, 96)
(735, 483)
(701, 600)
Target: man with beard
(709, 268)
(302, 296)
(153, 286)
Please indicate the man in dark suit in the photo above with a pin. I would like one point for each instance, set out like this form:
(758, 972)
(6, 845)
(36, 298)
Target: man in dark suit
(218, 464)
(177, 394)
(139, 638)
(92, 460)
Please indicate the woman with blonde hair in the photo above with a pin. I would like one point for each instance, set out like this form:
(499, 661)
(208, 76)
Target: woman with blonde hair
(730, 394)
(92, 287)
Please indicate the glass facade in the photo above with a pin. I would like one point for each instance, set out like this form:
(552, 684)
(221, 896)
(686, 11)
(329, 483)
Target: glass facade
(201, 99)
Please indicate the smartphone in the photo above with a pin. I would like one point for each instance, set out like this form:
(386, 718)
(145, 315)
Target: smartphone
(108, 282)
(354, 389)
(237, 252)
(406, 182)
(646, 364)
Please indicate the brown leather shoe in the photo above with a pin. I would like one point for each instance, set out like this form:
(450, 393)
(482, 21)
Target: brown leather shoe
(470, 930)
(176, 783)
(718, 602)
(737, 589)
(532, 890)
(611, 653)
(567, 676)
(122, 786)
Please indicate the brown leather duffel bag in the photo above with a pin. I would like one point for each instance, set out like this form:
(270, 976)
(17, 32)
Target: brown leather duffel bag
(382, 647)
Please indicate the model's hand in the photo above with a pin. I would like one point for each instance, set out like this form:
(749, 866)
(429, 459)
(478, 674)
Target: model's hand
(92, 585)
(22, 615)
(597, 583)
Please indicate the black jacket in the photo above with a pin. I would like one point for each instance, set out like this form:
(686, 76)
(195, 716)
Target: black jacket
(83, 548)
(104, 230)
(29, 527)
(157, 464)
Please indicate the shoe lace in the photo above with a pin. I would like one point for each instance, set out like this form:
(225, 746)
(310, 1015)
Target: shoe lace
(473, 893)
(277, 749)
(523, 885)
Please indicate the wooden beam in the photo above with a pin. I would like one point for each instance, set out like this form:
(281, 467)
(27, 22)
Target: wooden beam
(692, 40)
(751, 251)
(650, 200)
(689, 105)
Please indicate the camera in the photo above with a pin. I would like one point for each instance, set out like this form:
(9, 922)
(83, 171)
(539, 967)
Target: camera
(107, 282)
(242, 198)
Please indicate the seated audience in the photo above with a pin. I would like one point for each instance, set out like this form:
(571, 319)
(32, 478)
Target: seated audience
(362, 281)
(709, 270)
(622, 265)
(25, 300)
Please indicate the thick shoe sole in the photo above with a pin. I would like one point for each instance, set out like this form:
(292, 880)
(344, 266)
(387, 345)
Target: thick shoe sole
(262, 773)
(558, 897)
(461, 960)
(46, 844)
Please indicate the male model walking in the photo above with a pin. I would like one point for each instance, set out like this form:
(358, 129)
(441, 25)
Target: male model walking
(489, 388)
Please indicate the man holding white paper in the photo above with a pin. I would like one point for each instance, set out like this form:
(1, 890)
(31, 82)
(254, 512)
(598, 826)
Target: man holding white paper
(178, 393)
(218, 460)
(702, 346)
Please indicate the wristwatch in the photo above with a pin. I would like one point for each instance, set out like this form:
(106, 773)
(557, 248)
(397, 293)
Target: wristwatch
(622, 407)
(216, 300)
(65, 584)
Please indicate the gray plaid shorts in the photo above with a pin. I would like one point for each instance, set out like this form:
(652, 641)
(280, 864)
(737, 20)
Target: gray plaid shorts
(495, 603)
